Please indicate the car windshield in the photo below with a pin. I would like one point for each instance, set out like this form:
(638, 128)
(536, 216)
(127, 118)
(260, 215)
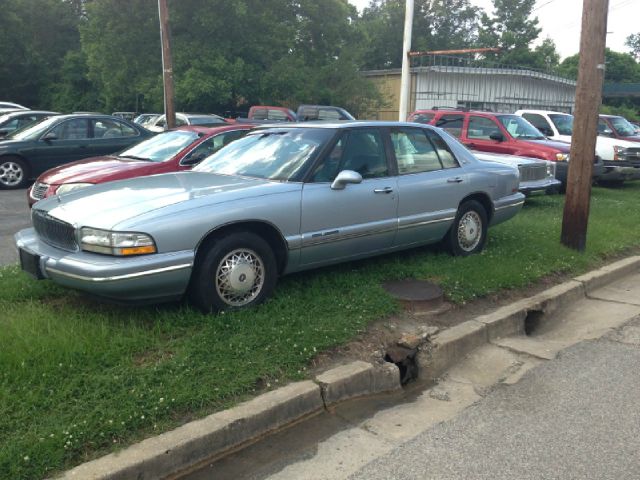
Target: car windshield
(519, 128)
(564, 123)
(162, 147)
(34, 131)
(271, 154)
(622, 126)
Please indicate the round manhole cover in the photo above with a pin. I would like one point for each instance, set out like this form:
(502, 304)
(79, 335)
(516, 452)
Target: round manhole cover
(415, 293)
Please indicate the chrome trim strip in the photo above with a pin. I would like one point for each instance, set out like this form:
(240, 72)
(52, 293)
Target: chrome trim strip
(349, 236)
(510, 205)
(119, 277)
(426, 222)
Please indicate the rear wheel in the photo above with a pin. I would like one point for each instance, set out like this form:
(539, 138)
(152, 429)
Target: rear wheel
(13, 173)
(468, 233)
(238, 270)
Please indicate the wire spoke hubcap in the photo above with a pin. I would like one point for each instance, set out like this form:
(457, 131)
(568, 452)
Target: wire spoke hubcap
(469, 231)
(239, 277)
(10, 174)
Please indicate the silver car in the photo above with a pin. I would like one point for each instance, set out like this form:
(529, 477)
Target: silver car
(280, 200)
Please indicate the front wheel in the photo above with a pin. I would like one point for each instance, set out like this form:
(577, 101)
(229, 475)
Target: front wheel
(13, 173)
(237, 271)
(468, 233)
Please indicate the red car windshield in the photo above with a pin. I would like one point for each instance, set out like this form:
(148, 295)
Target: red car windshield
(162, 147)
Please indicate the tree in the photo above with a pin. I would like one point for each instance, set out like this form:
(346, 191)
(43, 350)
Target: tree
(619, 67)
(633, 42)
(437, 25)
(512, 30)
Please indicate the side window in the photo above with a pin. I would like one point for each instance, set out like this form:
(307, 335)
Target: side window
(539, 122)
(414, 152)
(180, 121)
(359, 150)
(75, 129)
(211, 146)
(277, 115)
(106, 128)
(481, 128)
(444, 152)
(452, 123)
(603, 128)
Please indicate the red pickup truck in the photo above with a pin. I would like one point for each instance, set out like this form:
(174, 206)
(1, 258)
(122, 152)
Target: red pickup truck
(501, 133)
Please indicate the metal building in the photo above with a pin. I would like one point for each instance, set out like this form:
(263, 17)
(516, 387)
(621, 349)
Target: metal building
(462, 83)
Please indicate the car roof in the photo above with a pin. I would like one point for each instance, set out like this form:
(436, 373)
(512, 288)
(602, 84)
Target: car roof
(213, 130)
(529, 110)
(18, 113)
(344, 124)
(458, 110)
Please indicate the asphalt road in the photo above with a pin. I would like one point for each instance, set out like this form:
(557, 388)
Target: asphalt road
(14, 216)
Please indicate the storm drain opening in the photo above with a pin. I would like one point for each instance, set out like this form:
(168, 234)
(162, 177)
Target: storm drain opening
(532, 321)
(405, 360)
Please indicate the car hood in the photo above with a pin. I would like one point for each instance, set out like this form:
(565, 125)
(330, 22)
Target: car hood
(107, 205)
(562, 146)
(513, 160)
(634, 138)
(95, 170)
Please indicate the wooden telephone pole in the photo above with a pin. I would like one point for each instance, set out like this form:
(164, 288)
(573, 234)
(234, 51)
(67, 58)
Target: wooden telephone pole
(585, 124)
(167, 65)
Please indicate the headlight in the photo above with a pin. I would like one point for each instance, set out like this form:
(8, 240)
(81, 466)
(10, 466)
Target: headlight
(617, 152)
(562, 157)
(116, 243)
(551, 169)
(68, 187)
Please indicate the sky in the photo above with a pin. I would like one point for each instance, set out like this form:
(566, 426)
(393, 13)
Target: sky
(561, 20)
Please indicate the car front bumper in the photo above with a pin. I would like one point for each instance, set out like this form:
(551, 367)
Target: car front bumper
(163, 276)
(545, 185)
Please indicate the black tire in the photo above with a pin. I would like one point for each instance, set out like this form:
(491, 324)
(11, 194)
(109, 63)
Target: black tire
(468, 233)
(254, 263)
(14, 173)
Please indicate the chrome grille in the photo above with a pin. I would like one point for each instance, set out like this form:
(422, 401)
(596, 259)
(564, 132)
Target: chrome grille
(529, 173)
(39, 190)
(53, 231)
(631, 155)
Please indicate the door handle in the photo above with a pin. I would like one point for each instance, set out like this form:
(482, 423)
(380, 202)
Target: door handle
(383, 190)
(454, 180)
(469, 145)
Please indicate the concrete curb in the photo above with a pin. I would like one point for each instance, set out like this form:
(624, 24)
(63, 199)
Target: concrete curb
(213, 436)
(196, 442)
(455, 343)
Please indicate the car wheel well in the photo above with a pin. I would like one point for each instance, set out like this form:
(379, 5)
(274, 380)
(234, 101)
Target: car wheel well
(19, 157)
(266, 231)
(484, 200)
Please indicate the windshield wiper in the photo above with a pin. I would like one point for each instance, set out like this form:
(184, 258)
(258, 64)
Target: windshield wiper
(135, 157)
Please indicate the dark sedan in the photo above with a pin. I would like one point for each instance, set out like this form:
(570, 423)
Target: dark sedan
(27, 153)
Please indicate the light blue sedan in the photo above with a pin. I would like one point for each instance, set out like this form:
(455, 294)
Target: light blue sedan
(280, 200)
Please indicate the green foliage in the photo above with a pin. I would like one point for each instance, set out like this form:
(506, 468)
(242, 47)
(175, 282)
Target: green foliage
(437, 25)
(630, 112)
(619, 67)
(633, 42)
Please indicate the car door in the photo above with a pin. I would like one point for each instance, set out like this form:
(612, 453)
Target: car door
(431, 184)
(477, 136)
(65, 142)
(359, 219)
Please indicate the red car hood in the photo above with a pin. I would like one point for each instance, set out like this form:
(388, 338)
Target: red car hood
(562, 146)
(97, 170)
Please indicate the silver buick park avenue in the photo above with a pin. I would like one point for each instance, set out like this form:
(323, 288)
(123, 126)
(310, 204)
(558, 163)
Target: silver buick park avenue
(280, 200)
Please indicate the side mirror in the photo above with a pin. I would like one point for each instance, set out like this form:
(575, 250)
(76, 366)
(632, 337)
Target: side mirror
(49, 136)
(345, 177)
(497, 136)
(194, 159)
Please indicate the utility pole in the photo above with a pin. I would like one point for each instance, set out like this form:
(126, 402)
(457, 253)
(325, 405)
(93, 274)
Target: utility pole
(167, 65)
(585, 124)
(405, 79)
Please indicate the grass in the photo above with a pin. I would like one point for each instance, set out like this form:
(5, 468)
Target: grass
(80, 378)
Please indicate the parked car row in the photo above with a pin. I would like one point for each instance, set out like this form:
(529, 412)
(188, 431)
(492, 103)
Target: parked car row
(268, 204)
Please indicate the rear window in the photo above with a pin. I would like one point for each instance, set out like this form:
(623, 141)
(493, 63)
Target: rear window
(422, 117)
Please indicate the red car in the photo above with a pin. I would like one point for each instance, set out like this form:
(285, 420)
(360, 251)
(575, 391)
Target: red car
(618, 127)
(501, 133)
(171, 151)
